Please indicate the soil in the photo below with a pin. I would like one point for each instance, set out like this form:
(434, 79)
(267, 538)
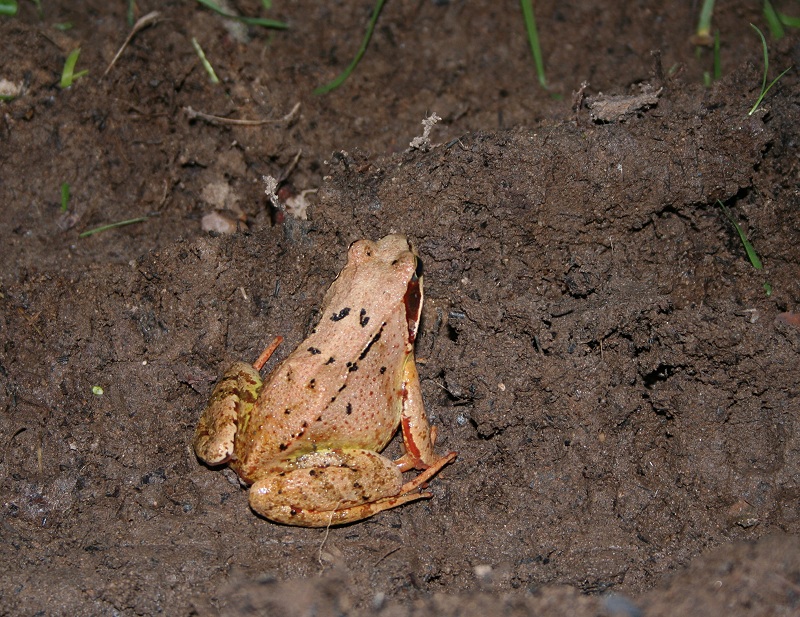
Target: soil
(620, 382)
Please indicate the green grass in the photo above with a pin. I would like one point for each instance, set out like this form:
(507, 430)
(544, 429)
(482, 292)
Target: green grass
(8, 7)
(764, 87)
(717, 73)
(789, 21)
(755, 260)
(703, 32)
(751, 252)
(773, 21)
(68, 75)
(252, 21)
(364, 43)
(65, 195)
(533, 39)
(212, 75)
(530, 27)
(97, 230)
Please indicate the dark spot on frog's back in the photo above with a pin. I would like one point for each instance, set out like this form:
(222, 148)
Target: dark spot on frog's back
(312, 384)
(341, 314)
(374, 340)
(363, 318)
(349, 409)
(314, 351)
(383, 370)
(331, 360)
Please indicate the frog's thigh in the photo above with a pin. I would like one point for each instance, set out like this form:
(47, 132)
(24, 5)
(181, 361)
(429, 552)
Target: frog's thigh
(233, 395)
(319, 488)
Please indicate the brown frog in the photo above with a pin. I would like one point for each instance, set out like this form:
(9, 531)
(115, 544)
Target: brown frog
(308, 438)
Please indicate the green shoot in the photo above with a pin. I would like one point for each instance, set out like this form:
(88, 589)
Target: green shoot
(68, 75)
(131, 13)
(97, 230)
(789, 21)
(63, 26)
(346, 73)
(773, 21)
(8, 7)
(253, 21)
(533, 39)
(206, 64)
(764, 87)
(717, 73)
(751, 252)
(703, 34)
(65, 195)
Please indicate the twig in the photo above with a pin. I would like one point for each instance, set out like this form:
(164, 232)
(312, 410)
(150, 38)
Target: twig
(193, 114)
(139, 25)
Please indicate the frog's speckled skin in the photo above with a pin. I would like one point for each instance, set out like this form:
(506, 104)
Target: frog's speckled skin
(308, 438)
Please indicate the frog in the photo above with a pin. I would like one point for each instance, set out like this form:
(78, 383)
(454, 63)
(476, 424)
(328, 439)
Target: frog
(307, 439)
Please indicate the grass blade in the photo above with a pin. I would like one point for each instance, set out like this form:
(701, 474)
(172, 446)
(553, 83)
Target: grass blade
(346, 73)
(68, 75)
(253, 21)
(212, 75)
(773, 21)
(764, 87)
(751, 252)
(789, 21)
(533, 39)
(97, 230)
(8, 7)
(65, 195)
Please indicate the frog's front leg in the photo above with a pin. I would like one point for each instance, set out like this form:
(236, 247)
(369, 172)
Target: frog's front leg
(230, 404)
(419, 436)
(330, 487)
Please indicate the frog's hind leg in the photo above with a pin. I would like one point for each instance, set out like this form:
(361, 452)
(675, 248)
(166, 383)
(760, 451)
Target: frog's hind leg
(341, 516)
(330, 487)
(227, 411)
(408, 493)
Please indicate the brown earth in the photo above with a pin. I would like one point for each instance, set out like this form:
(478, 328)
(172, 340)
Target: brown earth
(620, 387)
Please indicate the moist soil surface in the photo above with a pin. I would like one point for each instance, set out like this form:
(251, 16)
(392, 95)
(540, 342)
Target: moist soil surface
(619, 380)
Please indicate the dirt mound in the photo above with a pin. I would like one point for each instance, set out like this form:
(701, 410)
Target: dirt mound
(618, 379)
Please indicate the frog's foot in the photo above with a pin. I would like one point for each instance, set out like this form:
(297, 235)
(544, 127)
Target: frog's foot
(413, 459)
(422, 479)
